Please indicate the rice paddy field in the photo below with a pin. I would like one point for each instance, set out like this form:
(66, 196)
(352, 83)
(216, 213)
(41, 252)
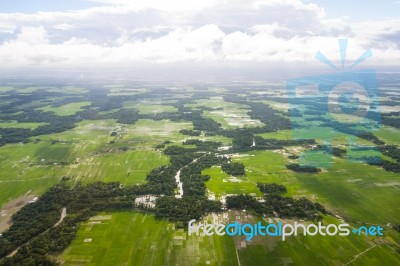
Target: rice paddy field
(67, 109)
(105, 150)
(124, 238)
(119, 238)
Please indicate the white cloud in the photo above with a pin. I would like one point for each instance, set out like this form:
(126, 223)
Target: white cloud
(170, 5)
(189, 31)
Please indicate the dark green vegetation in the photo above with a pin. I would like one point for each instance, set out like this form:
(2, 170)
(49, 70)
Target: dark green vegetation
(274, 202)
(233, 168)
(278, 163)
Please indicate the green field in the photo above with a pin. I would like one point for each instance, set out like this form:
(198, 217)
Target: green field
(350, 189)
(230, 115)
(314, 250)
(67, 109)
(150, 107)
(139, 239)
(88, 155)
(222, 183)
(100, 149)
(15, 124)
(126, 238)
(388, 134)
(281, 134)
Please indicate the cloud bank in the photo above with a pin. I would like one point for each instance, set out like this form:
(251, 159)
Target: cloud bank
(210, 31)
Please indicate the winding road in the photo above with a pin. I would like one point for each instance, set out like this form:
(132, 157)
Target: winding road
(178, 177)
(63, 214)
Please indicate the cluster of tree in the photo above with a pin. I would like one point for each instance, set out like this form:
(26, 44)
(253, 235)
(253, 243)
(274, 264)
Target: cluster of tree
(159, 181)
(189, 132)
(126, 116)
(303, 168)
(185, 209)
(385, 164)
(271, 188)
(57, 124)
(275, 203)
(273, 119)
(191, 177)
(287, 207)
(233, 168)
(33, 227)
(392, 151)
(208, 146)
(191, 162)
(242, 139)
(371, 137)
(205, 124)
(335, 151)
(245, 202)
(53, 241)
(396, 227)
(245, 140)
(267, 144)
(338, 152)
(391, 121)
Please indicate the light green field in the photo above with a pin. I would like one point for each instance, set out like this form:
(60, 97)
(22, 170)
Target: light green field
(314, 250)
(129, 167)
(124, 91)
(139, 239)
(150, 133)
(353, 190)
(154, 109)
(222, 183)
(89, 156)
(18, 176)
(6, 88)
(356, 191)
(277, 105)
(327, 135)
(15, 124)
(389, 135)
(127, 238)
(281, 134)
(231, 115)
(67, 109)
(261, 166)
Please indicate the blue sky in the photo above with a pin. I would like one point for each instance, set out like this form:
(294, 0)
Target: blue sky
(354, 9)
(31, 6)
(360, 9)
(201, 32)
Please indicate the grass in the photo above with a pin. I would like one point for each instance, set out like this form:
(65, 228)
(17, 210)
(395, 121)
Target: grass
(230, 115)
(17, 176)
(67, 109)
(261, 166)
(139, 239)
(356, 191)
(127, 238)
(351, 189)
(222, 183)
(15, 124)
(150, 108)
(314, 250)
(389, 135)
(281, 134)
(6, 88)
(126, 167)
(89, 155)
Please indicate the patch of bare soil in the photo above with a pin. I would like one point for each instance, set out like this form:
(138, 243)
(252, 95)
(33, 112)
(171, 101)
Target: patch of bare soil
(11, 208)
